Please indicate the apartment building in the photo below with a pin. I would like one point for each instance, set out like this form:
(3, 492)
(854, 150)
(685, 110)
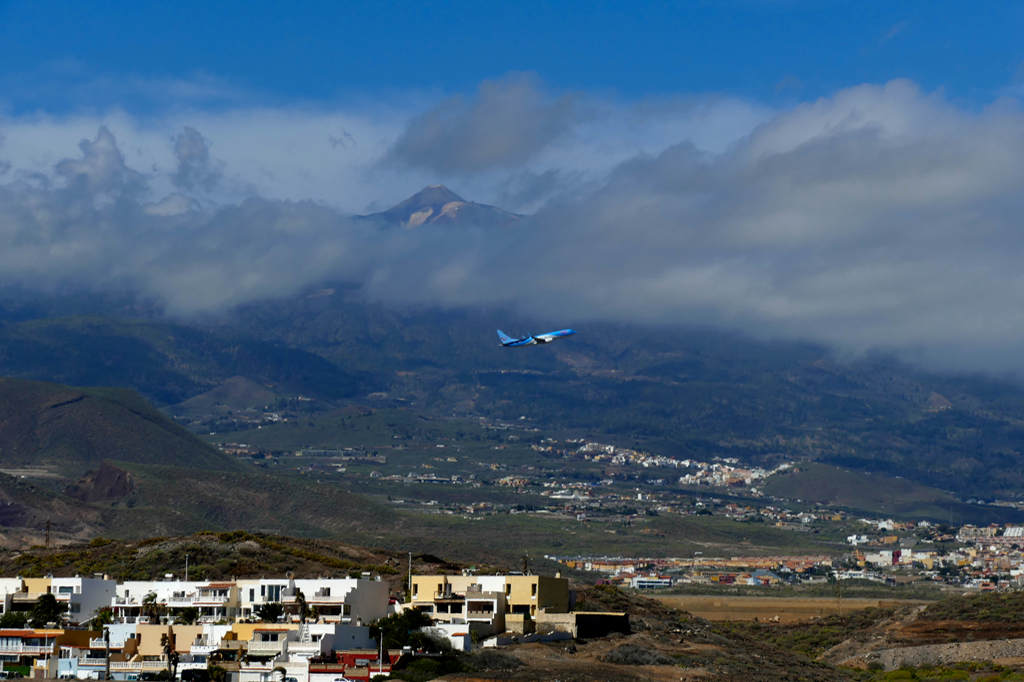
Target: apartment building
(485, 604)
(82, 597)
(336, 600)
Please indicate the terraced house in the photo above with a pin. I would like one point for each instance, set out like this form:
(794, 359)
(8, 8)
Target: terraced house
(334, 600)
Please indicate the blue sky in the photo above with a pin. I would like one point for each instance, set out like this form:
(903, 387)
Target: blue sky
(774, 51)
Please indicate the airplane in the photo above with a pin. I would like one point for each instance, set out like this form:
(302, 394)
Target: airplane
(508, 342)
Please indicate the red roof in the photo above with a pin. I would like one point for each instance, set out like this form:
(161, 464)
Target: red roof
(216, 585)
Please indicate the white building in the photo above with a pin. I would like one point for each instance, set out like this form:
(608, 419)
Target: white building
(81, 596)
(337, 600)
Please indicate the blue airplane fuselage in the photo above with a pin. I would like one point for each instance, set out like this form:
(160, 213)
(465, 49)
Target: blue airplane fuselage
(508, 342)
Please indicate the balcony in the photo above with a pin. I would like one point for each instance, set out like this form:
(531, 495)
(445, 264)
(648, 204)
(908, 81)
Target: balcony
(479, 615)
(202, 646)
(318, 599)
(138, 665)
(98, 643)
(448, 596)
(304, 648)
(207, 599)
(26, 596)
(24, 649)
(265, 647)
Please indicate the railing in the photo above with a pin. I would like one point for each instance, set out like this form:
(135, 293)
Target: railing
(99, 643)
(334, 599)
(210, 599)
(486, 615)
(138, 665)
(303, 647)
(265, 646)
(181, 601)
(26, 596)
(24, 649)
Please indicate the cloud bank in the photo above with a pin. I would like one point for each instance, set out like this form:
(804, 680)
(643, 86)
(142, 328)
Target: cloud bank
(879, 217)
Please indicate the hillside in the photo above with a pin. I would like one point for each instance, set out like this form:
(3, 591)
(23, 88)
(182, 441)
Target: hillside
(236, 394)
(689, 393)
(877, 494)
(78, 428)
(167, 363)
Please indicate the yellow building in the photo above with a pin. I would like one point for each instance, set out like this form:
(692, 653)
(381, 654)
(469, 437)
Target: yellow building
(524, 594)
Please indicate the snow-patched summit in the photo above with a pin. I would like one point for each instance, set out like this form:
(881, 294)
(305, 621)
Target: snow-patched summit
(438, 205)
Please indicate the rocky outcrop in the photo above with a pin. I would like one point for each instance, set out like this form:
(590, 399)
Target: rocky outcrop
(941, 654)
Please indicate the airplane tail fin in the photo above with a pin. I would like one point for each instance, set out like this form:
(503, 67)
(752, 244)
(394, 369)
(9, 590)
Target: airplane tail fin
(504, 338)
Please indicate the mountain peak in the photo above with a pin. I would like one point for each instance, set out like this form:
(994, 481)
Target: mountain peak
(433, 194)
(436, 204)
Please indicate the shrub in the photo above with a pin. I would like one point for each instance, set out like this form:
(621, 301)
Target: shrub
(489, 659)
(629, 654)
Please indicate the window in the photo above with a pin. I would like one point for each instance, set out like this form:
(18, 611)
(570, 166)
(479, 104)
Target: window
(533, 589)
(65, 590)
(274, 592)
(263, 590)
(440, 588)
(508, 590)
(415, 589)
(326, 592)
(76, 608)
(252, 594)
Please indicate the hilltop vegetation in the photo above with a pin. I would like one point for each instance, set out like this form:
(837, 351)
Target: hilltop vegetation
(77, 428)
(212, 556)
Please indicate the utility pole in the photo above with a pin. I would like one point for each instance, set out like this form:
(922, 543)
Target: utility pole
(410, 578)
(186, 567)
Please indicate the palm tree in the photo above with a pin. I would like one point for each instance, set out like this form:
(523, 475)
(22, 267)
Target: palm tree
(150, 607)
(187, 616)
(300, 601)
(167, 642)
(102, 616)
(47, 610)
(270, 611)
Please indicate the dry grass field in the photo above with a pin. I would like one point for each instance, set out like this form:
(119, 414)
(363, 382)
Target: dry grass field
(785, 609)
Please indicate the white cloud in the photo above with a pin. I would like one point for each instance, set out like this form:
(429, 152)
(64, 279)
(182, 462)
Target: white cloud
(881, 216)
